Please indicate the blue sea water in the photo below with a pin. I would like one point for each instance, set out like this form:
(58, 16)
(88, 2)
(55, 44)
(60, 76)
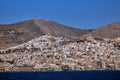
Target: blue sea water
(62, 75)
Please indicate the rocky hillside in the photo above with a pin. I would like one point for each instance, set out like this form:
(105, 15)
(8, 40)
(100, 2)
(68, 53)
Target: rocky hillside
(50, 53)
(18, 33)
(110, 31)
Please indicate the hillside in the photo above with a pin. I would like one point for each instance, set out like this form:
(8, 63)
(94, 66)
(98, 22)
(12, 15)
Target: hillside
(50, 53)
(18, 33)
(110, 31)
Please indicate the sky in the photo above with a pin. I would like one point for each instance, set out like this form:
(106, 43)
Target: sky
(83, 14)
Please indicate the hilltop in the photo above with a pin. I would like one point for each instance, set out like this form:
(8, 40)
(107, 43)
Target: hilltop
(110, 31)
(18, 33)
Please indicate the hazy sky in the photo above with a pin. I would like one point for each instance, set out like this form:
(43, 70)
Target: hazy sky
(75, 13)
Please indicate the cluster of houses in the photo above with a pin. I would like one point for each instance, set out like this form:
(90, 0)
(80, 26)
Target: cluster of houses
(50, 53)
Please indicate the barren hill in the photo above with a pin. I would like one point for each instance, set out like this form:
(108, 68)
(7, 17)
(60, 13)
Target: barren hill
(18, 33)
(110, 31)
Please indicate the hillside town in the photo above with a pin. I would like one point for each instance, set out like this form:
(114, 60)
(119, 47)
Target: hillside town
(50, 53)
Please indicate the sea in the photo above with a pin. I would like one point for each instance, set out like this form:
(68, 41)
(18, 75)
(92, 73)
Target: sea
(62, 75)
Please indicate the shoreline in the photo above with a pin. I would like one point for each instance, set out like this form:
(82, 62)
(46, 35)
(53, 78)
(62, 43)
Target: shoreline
(63, 71)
